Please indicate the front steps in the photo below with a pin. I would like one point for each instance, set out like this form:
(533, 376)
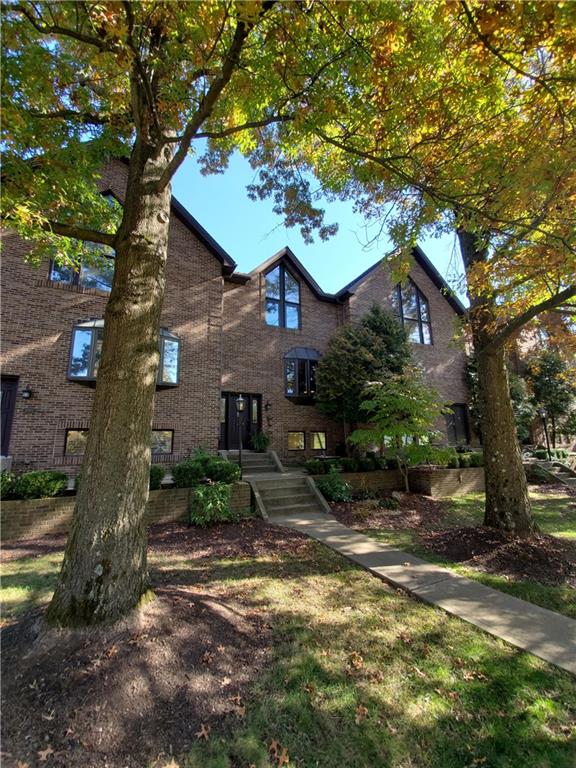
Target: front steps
(255, 463)
(288, 495)
(559, 472)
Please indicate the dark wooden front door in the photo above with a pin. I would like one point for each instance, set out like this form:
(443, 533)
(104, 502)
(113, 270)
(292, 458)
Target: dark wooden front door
(232, 425)
(8, 392)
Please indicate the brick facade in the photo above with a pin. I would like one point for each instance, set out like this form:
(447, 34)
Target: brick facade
(225, 345)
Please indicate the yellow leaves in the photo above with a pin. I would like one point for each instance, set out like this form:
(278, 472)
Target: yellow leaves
(361, 713)
(279, 753)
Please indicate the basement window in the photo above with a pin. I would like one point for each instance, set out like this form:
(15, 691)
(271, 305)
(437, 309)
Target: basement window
(75, 441)
(296, 441)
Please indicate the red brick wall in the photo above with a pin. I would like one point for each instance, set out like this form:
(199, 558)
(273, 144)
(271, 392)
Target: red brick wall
(444, 361)
(30, 518)
(253, 359)
(37, 322)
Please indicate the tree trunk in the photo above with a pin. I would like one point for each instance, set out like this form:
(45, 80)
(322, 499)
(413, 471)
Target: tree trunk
(507, 501)
(104, 573)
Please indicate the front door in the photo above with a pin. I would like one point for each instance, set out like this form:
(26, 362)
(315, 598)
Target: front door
(8, 391)
(234, 426)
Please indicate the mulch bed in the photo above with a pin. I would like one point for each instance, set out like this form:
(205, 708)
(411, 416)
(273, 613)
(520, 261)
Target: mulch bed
(414, 512)
(136, 693)
(547, 559)
(542, 558)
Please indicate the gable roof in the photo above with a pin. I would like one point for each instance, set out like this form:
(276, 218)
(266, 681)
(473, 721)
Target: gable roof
(423, 261)
(286, 255)
(228, 263)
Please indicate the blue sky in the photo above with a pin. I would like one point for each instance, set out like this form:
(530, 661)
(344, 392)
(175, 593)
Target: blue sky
(250, 231)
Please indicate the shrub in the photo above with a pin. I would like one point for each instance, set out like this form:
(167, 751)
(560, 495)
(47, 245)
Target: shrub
(156, 476)
(541, 453)
(349, 465)
(464, 460)
(477, 459)
(190, 472)
(392, 462)
(221, 471)
(366, 464)
(40, 485)
(260, 441)
(334, 488)
(316, 467)
(7, 485)
(210, 504)
(389, 503)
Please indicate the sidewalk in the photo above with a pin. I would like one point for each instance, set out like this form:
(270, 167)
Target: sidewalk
(544, 633)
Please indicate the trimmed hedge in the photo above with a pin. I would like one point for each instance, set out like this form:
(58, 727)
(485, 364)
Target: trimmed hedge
(201, 466)
(41, 484)
(156, 476)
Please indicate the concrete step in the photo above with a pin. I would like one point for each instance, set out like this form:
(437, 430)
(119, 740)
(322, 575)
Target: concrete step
(294, 509)
(254, 467)
(285, 493)
(283, 501)
(285, 481)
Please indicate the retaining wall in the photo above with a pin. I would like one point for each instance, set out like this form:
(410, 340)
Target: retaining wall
(30, 518)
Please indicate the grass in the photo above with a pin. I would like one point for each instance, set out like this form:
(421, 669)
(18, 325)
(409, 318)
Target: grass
(360, 675)
(555, 514)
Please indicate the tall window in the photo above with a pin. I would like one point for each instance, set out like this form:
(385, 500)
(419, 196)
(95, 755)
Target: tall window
(86, 349)
(457, 427)
(282, 298)
(97, 272)
(411, 307)
(300, 366)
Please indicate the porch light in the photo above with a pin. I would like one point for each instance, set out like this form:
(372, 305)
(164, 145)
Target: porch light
(26, 392)
(240, 404)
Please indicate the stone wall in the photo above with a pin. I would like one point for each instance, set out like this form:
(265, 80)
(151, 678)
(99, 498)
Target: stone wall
(31, 518)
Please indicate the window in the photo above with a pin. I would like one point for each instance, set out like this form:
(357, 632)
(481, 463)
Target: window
(296, 441)
(318, 441)
(86, 349)
(97, 273)
(457, 425)
(282, 298)
(411, 306)
(300, 365)
(75, 441)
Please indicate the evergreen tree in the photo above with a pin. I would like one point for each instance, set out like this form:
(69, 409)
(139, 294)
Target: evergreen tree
(357, 354)
(553, 386)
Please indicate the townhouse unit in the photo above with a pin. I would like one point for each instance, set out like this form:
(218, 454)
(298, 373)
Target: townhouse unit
(223, 333)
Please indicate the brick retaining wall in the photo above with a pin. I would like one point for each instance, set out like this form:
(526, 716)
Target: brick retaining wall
(447, 482)
(30, 518)
(380, 480)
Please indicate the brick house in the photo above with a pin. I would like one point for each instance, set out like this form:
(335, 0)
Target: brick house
(222, 333)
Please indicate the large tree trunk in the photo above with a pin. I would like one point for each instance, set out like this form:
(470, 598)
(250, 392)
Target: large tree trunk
(104, 573)
(507, 501)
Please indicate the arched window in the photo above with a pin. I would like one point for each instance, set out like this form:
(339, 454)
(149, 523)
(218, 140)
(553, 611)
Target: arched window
(282, 298)
(411, 307)
(86, 349)
(300, 365)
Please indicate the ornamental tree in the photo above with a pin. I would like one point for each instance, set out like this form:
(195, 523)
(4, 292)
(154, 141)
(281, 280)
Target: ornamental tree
(145, 81)
(553, 387)
(401, 411)
(357, 353)
(460, 117)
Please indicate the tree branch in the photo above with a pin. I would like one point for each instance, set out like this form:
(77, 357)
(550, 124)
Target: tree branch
(79, 233)
(208, 102)
(508, 330)
(88, 118)
(55, 29)
(237, 128)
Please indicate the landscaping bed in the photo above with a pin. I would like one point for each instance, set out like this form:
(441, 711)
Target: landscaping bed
(276, 649)
(541, 569)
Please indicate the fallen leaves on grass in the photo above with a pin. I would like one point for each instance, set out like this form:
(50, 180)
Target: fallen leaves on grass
(355, 660)
(279, 753)
(361, 713)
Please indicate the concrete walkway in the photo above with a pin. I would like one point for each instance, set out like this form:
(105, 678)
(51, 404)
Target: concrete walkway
(544, 633)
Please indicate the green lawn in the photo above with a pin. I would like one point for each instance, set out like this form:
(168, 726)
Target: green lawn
(360, 675)
(555, 514)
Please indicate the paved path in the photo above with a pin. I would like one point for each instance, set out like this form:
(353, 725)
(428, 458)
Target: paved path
(544, 633)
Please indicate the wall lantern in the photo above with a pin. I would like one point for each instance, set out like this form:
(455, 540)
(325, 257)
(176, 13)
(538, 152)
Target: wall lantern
(26, 392)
